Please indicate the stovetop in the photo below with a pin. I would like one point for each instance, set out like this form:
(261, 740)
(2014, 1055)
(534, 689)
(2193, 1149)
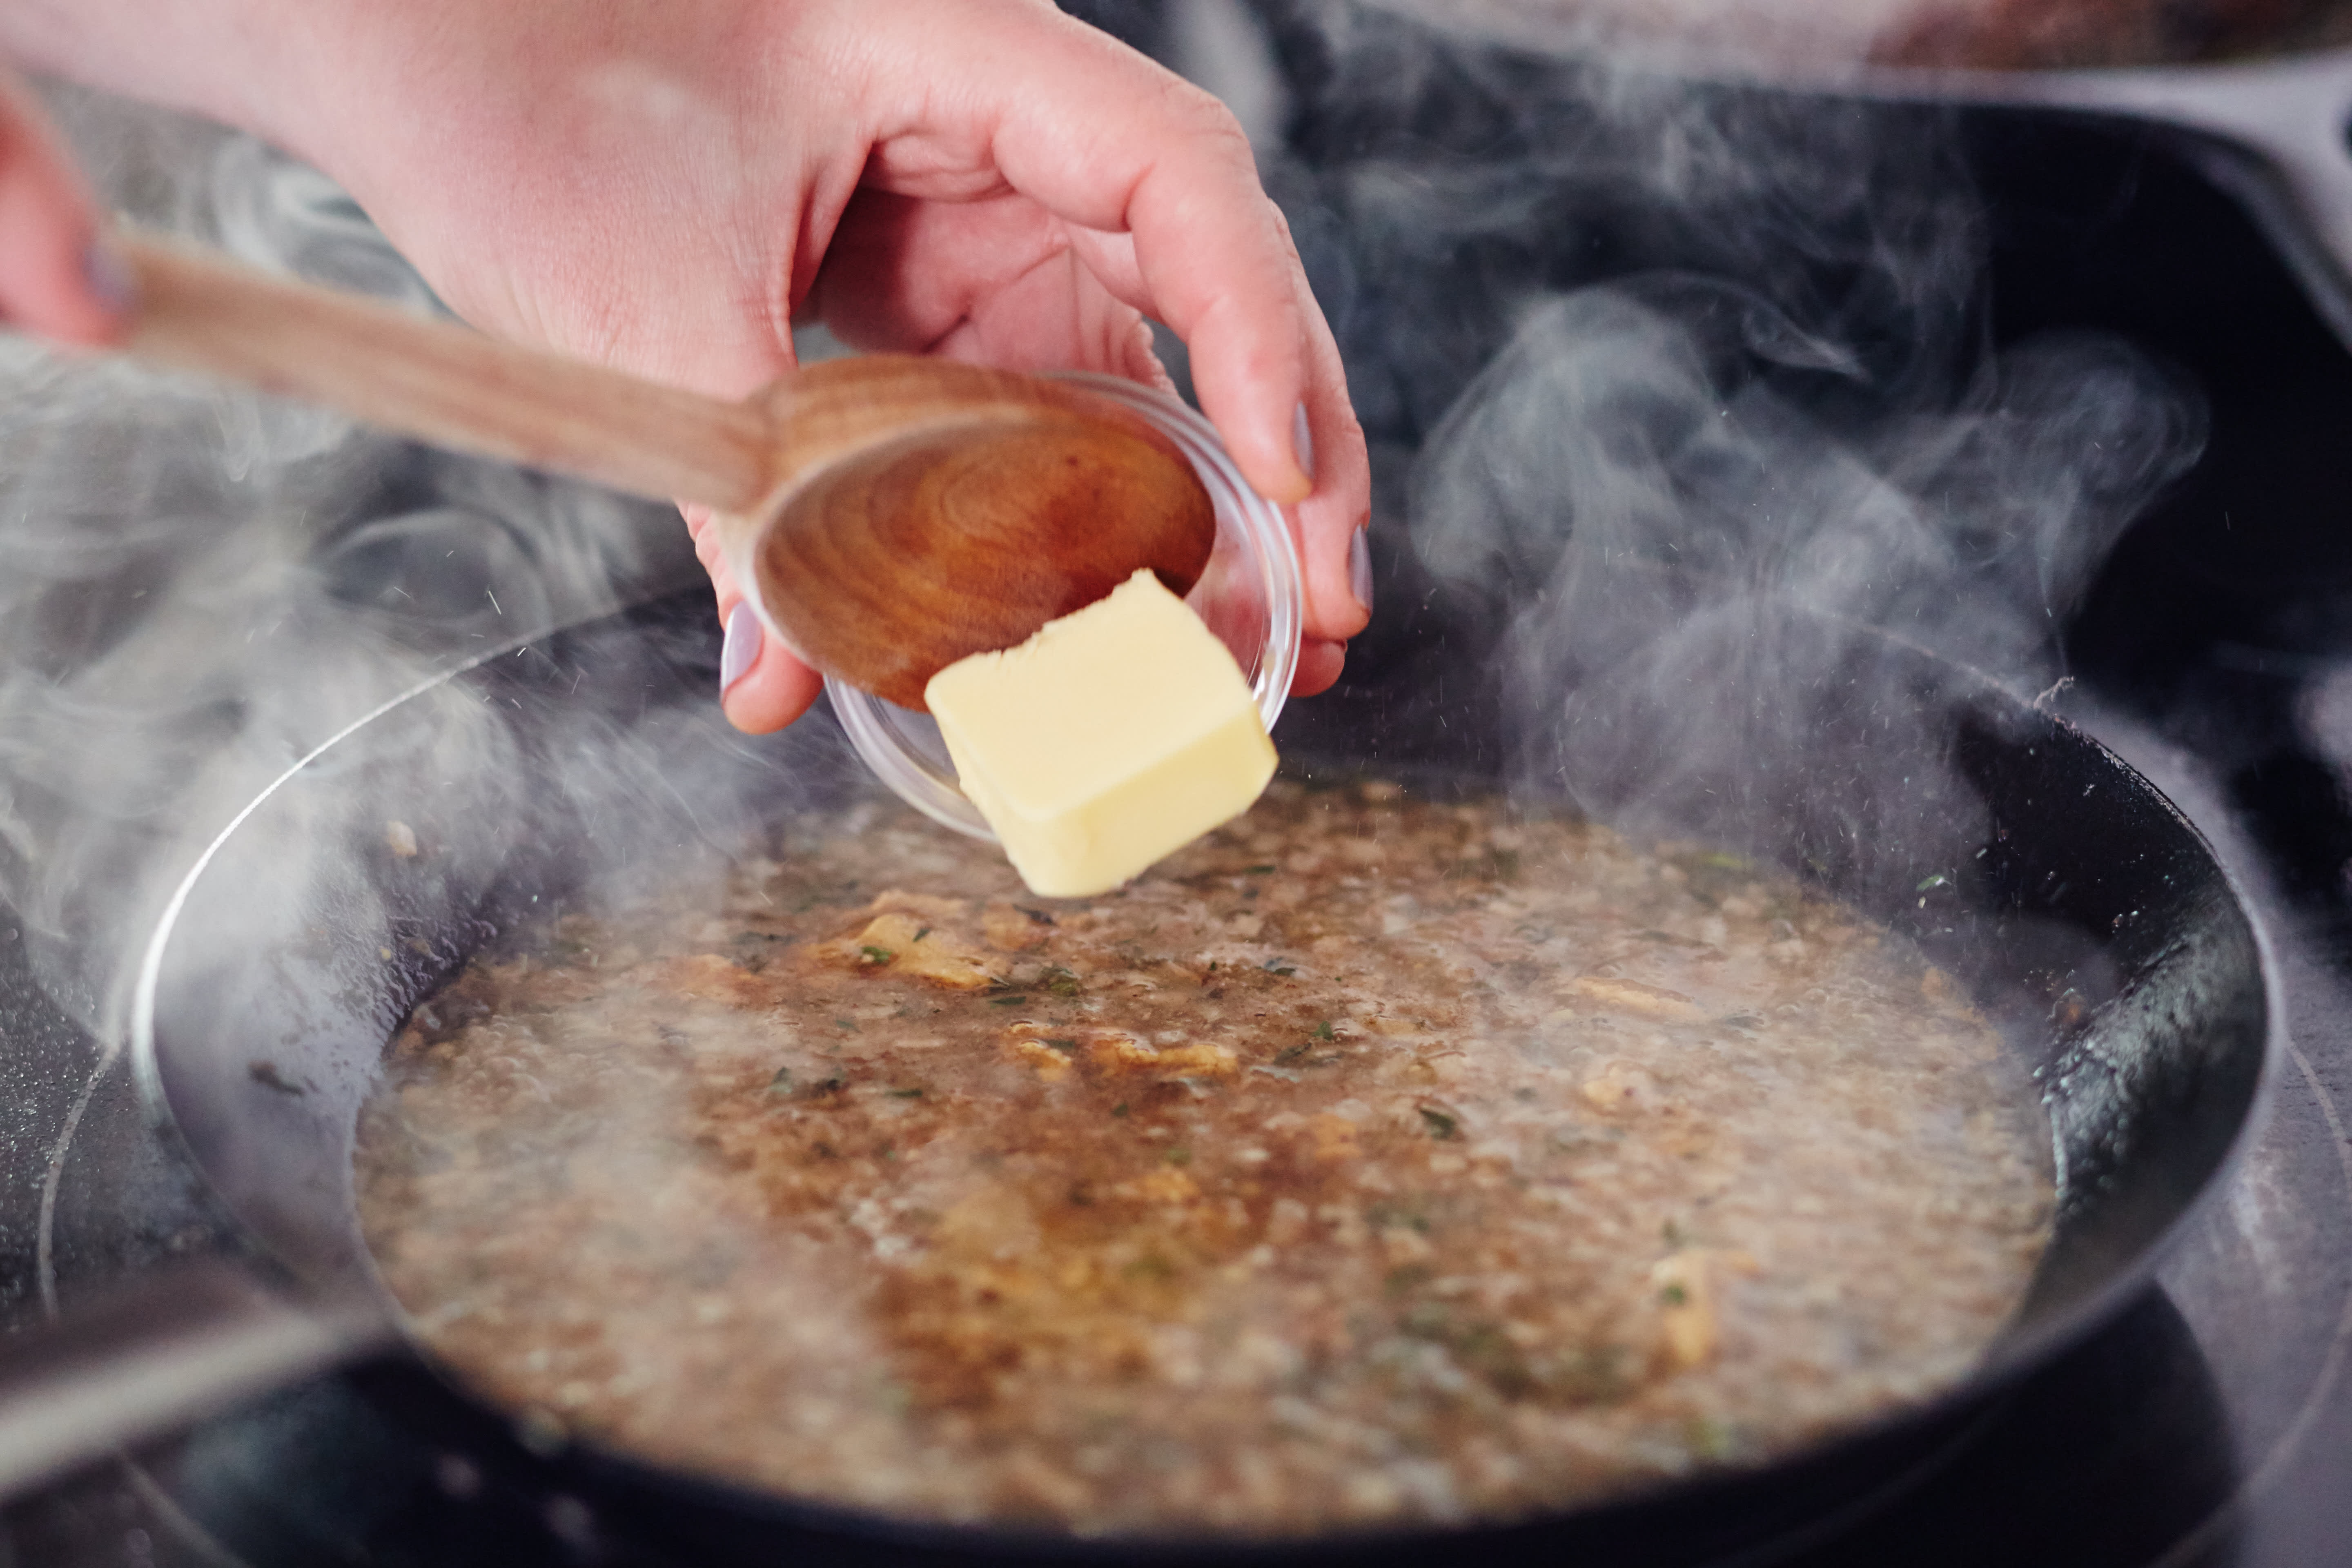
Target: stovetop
(2211, 1424)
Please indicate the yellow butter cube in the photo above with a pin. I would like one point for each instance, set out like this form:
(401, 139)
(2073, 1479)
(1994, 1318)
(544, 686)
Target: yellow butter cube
(1116, 735)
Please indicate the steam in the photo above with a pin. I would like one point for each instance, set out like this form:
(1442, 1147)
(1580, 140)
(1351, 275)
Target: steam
(1593, 316)
(1641, 364)
(1646, 364)
(1636, 432)
(1841, 33)
(1838, 37)
(196, 584)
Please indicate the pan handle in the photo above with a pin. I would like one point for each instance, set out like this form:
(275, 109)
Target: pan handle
(2273, 136)
(158, 1354)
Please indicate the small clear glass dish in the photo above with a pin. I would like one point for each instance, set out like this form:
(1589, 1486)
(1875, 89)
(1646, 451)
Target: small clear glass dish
(1251, 595)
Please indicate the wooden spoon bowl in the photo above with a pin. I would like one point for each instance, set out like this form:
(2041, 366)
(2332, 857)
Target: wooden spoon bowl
(894, 514)
(966, 509)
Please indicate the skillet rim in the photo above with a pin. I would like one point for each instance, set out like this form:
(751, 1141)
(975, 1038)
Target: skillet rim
(2009, 1358)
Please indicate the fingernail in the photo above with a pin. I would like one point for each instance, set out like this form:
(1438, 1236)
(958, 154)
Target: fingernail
(109, 278)
(741, 651)
(1302, 441)
(1359, 568)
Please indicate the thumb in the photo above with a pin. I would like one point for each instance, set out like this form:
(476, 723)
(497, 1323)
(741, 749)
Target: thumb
(761, 685)
(55, 277)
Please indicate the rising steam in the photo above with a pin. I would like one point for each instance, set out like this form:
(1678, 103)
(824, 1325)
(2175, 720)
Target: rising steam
(1595, 319)
(1647, 363)
(198, 584)
(1837, 38)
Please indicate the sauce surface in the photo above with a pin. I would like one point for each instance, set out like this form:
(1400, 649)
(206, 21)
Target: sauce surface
(1373, 1161)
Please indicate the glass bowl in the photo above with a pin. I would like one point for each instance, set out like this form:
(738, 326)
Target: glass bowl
(1251, 595)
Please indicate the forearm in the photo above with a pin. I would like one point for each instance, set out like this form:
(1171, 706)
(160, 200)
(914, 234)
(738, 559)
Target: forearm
(506, 148)
(252, 64)
(658, 185)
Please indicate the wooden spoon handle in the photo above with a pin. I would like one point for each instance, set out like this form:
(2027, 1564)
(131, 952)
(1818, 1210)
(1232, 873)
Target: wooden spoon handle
(445, 383)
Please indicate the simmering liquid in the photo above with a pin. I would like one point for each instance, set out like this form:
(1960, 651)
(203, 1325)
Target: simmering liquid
(1373, 1161)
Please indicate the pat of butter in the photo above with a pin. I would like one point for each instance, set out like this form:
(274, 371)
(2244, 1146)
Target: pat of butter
(1116, 735)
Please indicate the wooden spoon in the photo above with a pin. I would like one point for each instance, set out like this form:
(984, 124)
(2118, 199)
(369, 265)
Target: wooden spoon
(899, 513)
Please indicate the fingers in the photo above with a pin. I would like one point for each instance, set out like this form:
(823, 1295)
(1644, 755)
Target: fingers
(52, 279)
(1328, 441)
(761, 685)
(1157, 192)
(1319, 666)
(1106, 160)
(1331, 521)
(1107, 141)
(770, 688)
(990, 281)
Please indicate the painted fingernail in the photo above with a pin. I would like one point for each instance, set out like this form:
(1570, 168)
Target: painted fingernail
(741, 651)
(1302, 441)
(1360, 567)
(109, 278)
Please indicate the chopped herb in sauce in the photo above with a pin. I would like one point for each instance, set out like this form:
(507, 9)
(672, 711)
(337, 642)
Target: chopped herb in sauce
(1407, 1278)
(947, 1266)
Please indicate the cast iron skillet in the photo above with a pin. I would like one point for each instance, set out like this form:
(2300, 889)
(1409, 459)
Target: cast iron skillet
(2089, 919)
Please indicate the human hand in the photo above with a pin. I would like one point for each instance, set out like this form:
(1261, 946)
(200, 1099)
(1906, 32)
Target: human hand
(671, 189)
(52, 281)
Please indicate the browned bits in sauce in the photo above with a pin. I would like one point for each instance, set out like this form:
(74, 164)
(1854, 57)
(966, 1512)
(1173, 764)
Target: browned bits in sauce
(1374, 1159)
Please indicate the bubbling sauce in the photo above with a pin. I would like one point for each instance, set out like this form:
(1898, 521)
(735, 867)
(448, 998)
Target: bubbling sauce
(1374, 1160)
